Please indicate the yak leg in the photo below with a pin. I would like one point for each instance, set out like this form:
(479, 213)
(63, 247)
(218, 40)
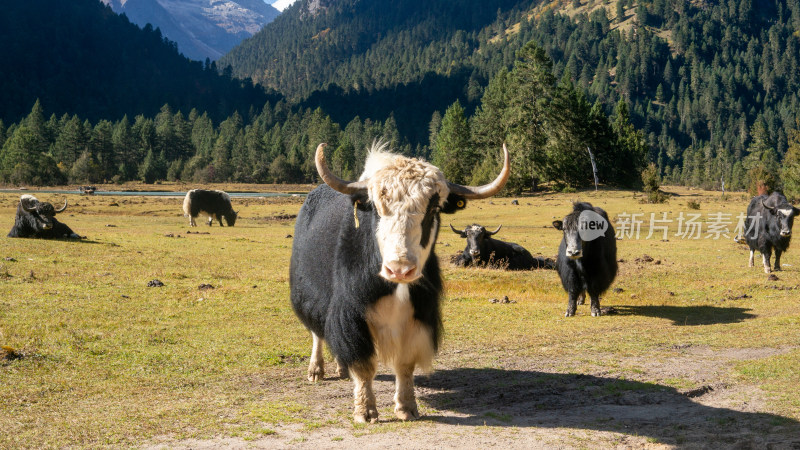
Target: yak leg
(572, 303)
(777, 260)
(316, 368)
(210, 220)
(404, 399)
(752, 257)
(192, 223)
(219, 219)
(341, 369)
(766, 256)
(595, 305)
(362, 374)
(581, 298)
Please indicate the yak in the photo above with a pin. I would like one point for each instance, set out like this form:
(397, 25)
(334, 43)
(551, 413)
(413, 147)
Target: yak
(484, 250)
(587, 255)
(214, 204)
(768, 226)
(37, 219)
(363, 275)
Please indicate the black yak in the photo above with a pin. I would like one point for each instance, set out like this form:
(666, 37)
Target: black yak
(587, 256)
(214, 204)
(768, 226)
(484, 250)
(37, 219)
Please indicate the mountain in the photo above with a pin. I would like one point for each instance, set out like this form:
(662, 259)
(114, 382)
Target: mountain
(201, 28)
(280, 5)
(714, 85)
(79, 57)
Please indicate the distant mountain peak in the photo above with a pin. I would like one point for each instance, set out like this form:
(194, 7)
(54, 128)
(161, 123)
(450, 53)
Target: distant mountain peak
(201, 28)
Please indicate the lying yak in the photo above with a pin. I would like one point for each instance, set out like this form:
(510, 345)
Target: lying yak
(587, 256)
(485, 251)
(768, 227)
(37, 219)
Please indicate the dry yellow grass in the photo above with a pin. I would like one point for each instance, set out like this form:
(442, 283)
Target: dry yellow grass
(107, 360)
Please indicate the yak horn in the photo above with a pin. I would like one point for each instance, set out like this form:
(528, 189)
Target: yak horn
(487, 190)
(770, 208)
(492, 233)
(27, 208)
(338, 184)
(63, 207)
(456, 231)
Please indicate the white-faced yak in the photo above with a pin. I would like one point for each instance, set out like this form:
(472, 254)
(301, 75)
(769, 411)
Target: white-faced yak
(364, 277)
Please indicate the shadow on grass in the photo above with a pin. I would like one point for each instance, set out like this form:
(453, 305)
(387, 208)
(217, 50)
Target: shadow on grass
(690, 315)
(517, 398)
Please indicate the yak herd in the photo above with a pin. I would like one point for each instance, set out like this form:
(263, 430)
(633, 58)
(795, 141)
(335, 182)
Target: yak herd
(364, 278)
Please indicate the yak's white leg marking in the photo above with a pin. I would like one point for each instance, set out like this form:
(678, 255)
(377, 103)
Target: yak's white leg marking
(364, 397)
(316, 368)
(210, 220)
(405, 402)
(766, 264)
(192, 223)
(752, 256)
(402, 343)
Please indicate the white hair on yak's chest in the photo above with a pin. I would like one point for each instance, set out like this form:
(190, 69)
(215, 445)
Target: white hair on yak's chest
(399, 338)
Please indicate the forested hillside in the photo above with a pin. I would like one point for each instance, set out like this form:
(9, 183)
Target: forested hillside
(79, 57)
(713, 84)
(708, 91)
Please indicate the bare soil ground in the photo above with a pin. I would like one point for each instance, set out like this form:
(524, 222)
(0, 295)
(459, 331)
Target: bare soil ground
(520, 403)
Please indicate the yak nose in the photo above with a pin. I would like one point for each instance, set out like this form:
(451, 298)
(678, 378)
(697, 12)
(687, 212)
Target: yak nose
(48, 226)
(786, 232)
(574, 254)
(400, 271)
(474, 252)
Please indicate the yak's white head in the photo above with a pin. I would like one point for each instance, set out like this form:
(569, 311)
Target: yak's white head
(408, 195)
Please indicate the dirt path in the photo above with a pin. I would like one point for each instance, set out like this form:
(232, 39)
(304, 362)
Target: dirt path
(525, 404)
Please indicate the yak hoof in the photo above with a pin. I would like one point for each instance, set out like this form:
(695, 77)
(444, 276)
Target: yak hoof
(581, 300)
(370, 415)
(767, 270)
(777, 269)
(405, 413)
(569, 313)
(341, 371)
(316, 373)
(596, 312)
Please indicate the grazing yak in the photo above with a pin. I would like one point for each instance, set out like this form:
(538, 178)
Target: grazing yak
(768, 226)
(483, 250)
(364, 277)
(37, 219)
(214, 204)
(587, 256)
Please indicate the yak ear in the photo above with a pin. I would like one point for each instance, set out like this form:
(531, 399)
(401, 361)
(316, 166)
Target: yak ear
(454, 203)
(361, 199)
(796, 210)
(558, 225)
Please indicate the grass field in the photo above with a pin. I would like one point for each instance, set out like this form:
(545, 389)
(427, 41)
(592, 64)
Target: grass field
(94, 357)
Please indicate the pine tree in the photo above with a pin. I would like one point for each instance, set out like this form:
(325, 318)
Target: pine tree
(530, 91)
(790, 170)
(452, 151)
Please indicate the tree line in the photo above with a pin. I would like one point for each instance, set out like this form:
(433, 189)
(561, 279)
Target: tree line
(549, 126)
